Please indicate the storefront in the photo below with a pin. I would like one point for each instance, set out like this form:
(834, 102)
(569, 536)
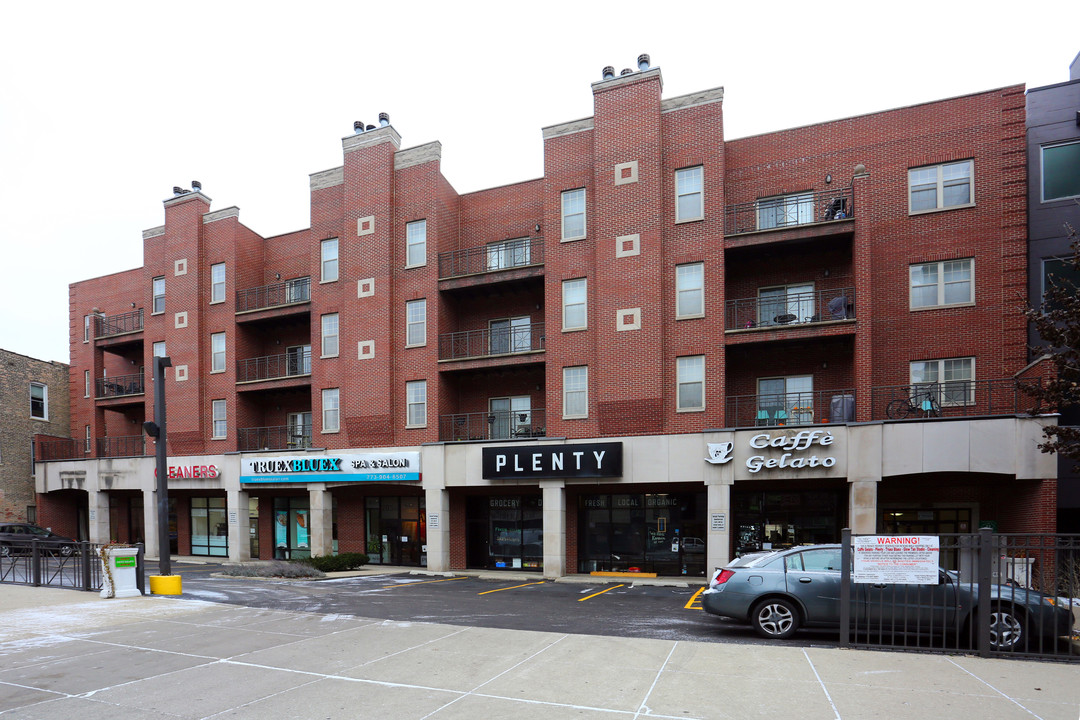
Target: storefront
(505, 532)
(776, 519)
(396, 533)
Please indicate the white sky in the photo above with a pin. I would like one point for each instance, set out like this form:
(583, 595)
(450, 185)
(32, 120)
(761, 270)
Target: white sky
(104, 107)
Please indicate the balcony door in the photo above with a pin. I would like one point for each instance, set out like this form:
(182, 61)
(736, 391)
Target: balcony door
(299, 360)
(786, 400)
(510, 335)
(797, 209)
(298, 427)
(786, 304)
(510, 416)
(508, 254)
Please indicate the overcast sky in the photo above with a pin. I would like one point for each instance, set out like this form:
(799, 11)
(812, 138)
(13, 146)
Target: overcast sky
(104, 107)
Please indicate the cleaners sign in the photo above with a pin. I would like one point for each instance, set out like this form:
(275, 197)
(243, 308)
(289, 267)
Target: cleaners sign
(897, 559)
(368, 467)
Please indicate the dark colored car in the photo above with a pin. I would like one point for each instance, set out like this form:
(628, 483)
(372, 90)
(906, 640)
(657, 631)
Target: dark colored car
(778, 592)
(16, 539)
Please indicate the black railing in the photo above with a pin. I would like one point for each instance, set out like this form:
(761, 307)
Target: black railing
(41, 563)
(790, 309)
(789, 210)
(272, 367)
(60, 449)
(504, 255)
(497, 425)
(121, 446)
(119, 386)
(118, 324)
(961, 398)
(491, 341)
(288, 292)
(275, 437)
(795, 408)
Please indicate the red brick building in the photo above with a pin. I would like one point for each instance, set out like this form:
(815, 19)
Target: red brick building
(669, 349)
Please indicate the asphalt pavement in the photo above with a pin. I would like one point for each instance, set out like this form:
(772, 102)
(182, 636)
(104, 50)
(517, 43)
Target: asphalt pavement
(65, 654)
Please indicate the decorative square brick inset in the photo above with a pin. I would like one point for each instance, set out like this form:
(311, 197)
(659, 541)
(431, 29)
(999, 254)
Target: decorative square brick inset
(181, 319)
(365, 287)
(626, 173)
(627, 245)
(181, 373)
(629, 319)
(365, 225)
(365, 350)
(180, 267)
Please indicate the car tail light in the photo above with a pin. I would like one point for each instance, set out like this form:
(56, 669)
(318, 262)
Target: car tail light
(721, 577)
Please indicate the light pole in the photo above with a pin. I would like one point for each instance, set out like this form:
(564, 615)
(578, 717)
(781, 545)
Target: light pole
(156, 429)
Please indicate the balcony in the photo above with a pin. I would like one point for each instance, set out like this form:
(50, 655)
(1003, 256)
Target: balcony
(119, 386)
(494, 257)
(787, 310)
(962, 398)
(59, 449)
(795, 408)
(118, 325)
(788, 211)
(275, 437)
(492, 342)
(280, 295)
(499, 425)
(274, 367)
(121, 446)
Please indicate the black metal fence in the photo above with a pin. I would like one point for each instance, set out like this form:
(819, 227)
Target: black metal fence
(119, 386)
(118, 324)
(121, 446)
(59, 449)
(785, 310)
(996, 594)
(495, 425)
(271, 367)
(789, 210)
(504, 255)
(960, 398)
(490, 341)
(275, 437)
(796, 408)
(37, 563)
(274, 295)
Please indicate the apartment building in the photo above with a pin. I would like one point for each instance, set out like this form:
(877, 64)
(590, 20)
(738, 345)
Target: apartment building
(670, 349)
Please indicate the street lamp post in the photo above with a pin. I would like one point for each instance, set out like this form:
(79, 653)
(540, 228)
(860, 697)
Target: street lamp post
(156, 429)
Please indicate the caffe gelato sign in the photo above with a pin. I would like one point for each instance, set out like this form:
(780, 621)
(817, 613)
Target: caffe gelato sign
(368, 467)
(799, 450)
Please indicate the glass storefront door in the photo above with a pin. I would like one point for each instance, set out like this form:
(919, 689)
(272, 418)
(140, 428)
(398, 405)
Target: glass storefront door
(209, 527)
(505, 532)
(291, 528)
(396, 531)
(774, 520)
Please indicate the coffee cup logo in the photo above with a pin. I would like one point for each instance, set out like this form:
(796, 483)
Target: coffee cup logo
(719, 453)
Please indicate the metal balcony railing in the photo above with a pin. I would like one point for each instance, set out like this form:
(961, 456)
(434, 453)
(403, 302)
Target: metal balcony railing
(118, 324)
(272, 367)
(60, 449)
(491, 341)
(805, 208)
(119, 386)
(962, 398)
(790, 309)
(122, 446)
(288, 292)
(504, 255)
(796, 408)
(493, 425)
(275, 437)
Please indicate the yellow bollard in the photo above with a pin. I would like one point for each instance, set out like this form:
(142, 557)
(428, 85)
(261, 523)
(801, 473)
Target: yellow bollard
(165, 585)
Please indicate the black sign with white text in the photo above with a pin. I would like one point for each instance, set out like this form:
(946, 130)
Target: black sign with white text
(553, 461)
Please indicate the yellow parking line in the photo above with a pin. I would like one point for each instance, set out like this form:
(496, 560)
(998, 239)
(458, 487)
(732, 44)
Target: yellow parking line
(422, 582)
(613, 587)
(511, 588)
(693, 599)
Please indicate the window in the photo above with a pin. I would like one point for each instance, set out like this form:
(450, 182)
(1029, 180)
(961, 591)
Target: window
(690, 290)
(510, 335)
(416, 243)
(329, 251)
(415, 323)
(217, 352)
(87, 442)
(299, 429)
(1061, 171)
(298, 290)
(688, 196)
(940, 186)
(86, 329)
(218, 412)
(785, 400)
(508, 254)
(217, 283)
(942, 283)
(786, 304)
(573, 214)
(330, 335)
(159, 296)
(416, 401)
(159, 349)
(1058, 271)
(785, 210)
(331, 410)
(39, 401)
(952, 380)
(510, 417)
(576, 391)
(573, 300)
(298, 360)
(691, 382)
(86, 383)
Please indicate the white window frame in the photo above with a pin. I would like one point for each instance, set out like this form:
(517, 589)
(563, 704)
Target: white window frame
(939, 182)
(158, 349)
(86, 329)
(575, 392)
(1042, 174)
(217, 352)
(416, 243)
(217, 283)
(688, 183)
(416, 404)
(86, 383)
(689, 370)
(515, 420)
(941, 284)
(157, 291)
(331, 410)
(508, 254)
(416, 323)
(329, 270)
(943, 367)
(564, 214)
(690, 282)
(219, 425)
(570, 285)
(330, 334)
(44, 401)
(87, 443)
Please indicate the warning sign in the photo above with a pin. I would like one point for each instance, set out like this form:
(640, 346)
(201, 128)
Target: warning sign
(897, 559)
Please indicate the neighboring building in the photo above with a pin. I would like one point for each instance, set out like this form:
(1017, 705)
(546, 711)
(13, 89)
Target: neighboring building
(33, 403)
(1053, 155)
(595, 369)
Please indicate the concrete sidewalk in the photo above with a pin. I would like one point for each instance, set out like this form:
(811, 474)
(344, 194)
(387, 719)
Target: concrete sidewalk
(67, 654)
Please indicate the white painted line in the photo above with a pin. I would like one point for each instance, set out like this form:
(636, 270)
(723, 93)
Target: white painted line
(644, 708)
(822, 683)
(1012, 700)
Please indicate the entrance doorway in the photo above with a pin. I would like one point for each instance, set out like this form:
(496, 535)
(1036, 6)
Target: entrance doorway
(396, 531)
(779, 519)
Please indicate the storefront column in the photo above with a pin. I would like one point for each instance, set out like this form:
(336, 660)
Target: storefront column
(98, 516)
(236, 506)
(554, 499)
(718, 542)
(862, 506)
(150, 523)
(437, 501)
(320, 519)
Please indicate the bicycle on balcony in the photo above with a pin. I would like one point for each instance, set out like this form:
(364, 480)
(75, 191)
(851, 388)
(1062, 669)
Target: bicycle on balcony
(920, 405)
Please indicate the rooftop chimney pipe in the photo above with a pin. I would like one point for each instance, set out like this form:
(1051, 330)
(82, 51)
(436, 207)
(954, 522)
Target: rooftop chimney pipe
(643, 62)
(196, 186)
(384, 119)
(358, 127)
(370, 127)
(626, 71)
(608, 72)
(177, 190)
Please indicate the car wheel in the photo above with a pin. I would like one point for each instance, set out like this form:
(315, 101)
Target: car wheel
(1006, 628)
(776, 619)
(5, 551)
(66, 550)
